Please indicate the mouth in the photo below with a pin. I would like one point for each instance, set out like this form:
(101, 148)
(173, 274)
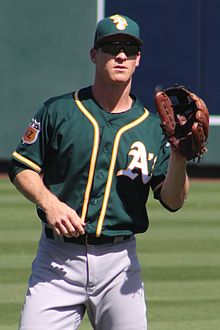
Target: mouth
(120, 67)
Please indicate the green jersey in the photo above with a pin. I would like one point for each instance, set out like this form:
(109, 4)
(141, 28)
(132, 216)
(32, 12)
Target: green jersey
(99, 163)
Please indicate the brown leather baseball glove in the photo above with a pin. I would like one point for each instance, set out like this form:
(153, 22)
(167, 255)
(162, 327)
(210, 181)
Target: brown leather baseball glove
(184, 119)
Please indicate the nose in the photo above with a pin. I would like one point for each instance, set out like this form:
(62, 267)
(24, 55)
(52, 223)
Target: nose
(121, 54)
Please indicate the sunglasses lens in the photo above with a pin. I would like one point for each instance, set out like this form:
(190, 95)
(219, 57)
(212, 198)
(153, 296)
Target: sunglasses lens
(115, 47)
(132, 50)
(110, 49)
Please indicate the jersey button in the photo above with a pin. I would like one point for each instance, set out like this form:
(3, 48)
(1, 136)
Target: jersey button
(109, 124)
(94, 201)
(100, 175)
(107, 147)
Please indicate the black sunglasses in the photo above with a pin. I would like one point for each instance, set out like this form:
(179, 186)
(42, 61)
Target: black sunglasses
(114, 47)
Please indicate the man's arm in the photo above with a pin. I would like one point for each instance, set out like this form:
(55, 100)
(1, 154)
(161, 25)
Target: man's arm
(176, 184)
(60, 216)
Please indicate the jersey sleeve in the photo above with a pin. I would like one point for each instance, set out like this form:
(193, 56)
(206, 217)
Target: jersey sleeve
(160, 168)
(30, 152)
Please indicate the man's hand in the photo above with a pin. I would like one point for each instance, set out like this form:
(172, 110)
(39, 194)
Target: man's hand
(63, 219)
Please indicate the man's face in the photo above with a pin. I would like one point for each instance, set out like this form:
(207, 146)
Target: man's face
(115, 64)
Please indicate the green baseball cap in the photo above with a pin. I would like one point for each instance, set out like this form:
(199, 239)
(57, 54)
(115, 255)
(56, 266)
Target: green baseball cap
(117, 24)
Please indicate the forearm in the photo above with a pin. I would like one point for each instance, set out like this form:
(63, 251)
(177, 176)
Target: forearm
(176, 185)
(59, 215)
(30, 184)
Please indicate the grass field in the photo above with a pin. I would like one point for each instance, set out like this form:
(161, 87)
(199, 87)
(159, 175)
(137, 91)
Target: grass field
(180, 257)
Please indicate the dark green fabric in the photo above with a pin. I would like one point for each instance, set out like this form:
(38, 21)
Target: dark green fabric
(117, 24)
(63, 150)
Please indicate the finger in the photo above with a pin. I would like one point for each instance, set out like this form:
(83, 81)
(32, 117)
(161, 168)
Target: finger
(79, 228)
(57, 231)
(69, 229)
(75, 235)
(65, 233)
(61, 228)
(77, 224)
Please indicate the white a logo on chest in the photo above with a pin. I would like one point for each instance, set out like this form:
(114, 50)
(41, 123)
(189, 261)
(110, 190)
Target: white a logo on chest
(138, 162)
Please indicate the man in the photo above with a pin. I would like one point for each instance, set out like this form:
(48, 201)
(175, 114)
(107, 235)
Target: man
(88, 160)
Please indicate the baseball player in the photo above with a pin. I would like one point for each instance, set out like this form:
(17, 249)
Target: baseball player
(87, 160)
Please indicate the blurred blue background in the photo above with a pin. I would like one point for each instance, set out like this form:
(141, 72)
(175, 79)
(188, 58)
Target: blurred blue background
(45, 52)
(181, 45)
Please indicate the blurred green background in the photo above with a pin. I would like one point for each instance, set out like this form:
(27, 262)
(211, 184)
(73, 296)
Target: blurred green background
(179, 254)
(45, 52)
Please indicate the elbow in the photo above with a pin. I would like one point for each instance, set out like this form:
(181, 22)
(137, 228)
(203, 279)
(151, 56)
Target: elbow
(14, 169)
(174, 204)
(11, 172)
(170, 208)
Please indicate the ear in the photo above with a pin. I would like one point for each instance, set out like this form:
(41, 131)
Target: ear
(93, 55)
(138, 59)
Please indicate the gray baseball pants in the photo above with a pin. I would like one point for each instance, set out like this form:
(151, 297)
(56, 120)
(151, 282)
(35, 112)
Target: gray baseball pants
(68, 279)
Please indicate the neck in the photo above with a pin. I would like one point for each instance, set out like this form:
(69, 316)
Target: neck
(113, 98)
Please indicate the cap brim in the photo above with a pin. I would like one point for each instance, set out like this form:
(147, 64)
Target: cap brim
(138, 40)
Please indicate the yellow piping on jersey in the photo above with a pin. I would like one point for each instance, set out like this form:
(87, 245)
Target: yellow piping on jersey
(112, 167)
(93, 157)
(93, 162)
(26, 161)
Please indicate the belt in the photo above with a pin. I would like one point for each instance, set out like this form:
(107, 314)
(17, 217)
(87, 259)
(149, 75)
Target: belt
(86, 239)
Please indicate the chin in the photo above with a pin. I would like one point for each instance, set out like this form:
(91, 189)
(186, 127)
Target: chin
(120, 79)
